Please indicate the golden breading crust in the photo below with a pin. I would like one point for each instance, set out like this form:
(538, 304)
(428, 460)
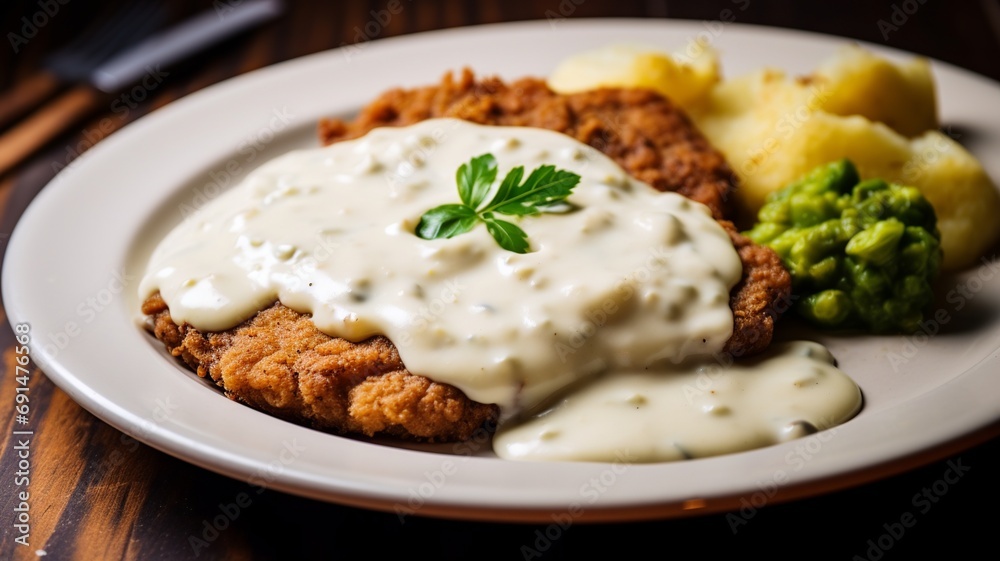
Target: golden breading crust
(642, 131)
(760, 297)
(279, 362)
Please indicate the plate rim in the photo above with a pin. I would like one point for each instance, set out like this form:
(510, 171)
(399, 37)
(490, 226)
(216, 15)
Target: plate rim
(162, 438)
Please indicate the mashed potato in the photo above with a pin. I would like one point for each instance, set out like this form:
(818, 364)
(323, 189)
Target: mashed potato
(856, 82)
(684, 79)
(773, 128)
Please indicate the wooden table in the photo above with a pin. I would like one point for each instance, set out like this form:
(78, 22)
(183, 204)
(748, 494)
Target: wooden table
(97, 493)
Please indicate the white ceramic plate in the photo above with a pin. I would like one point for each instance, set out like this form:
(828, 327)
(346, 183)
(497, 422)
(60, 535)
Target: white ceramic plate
(91, 230)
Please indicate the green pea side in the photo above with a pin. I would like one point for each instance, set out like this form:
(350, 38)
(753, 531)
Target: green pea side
(862, 254)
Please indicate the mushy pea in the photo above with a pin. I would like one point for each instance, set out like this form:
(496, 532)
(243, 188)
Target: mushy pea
(862, 254)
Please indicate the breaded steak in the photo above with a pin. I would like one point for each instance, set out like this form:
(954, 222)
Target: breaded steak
(642, 131)
(279, 362)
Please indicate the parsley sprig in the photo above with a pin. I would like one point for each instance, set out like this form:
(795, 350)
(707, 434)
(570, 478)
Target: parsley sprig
(545, 190)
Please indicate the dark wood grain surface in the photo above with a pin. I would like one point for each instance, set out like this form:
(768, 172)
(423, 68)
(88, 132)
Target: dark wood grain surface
(96, 493)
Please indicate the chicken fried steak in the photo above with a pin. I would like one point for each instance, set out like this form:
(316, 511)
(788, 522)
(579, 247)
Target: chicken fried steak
(280, 363)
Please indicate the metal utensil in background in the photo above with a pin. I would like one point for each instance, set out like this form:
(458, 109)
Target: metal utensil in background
(74, 62)
(128, 66)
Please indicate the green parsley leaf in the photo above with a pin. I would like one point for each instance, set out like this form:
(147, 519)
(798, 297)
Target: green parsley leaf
(544, 191)
(475, 179)
(545, 186)
(446, 221)
(507, 234)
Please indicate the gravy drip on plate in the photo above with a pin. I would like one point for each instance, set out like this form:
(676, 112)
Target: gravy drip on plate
(701, 409)
(632, 280)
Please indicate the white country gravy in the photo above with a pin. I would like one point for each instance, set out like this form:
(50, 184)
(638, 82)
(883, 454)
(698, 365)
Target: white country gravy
(701, 409)
(632, 280)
